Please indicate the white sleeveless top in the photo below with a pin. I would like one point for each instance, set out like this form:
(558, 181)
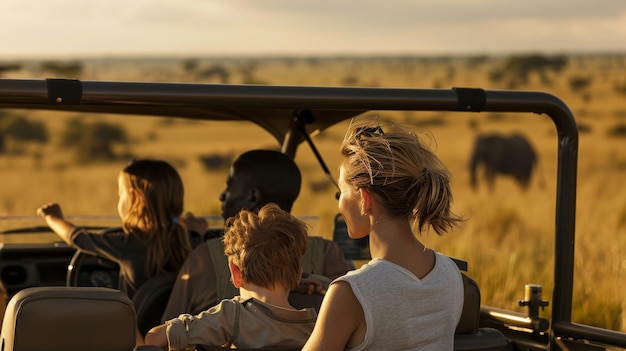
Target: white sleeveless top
(403, 312)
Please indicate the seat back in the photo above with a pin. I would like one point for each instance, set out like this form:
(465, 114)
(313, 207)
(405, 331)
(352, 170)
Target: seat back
(471, 306)
(300, 300)
(4, 299)
(224, 348)
(151, 299)
(218, 348)
(63, 318)
(353, 249)
(468, 336)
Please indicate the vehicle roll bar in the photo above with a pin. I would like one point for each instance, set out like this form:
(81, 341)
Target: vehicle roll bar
(329, 105)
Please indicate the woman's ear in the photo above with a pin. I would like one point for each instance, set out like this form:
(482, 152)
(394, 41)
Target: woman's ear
(366, 201)
(235, 275)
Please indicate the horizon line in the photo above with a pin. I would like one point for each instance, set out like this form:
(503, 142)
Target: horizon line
(155, 55)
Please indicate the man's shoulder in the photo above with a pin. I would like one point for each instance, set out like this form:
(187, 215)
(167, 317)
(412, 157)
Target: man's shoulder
(320, 243)
(210, 244)
(202, 251)
(321, 247)
(320, 240)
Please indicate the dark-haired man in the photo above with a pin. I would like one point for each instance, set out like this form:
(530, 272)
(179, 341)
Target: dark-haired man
(255, 178)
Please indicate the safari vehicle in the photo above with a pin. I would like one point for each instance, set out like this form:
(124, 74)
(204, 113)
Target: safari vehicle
(291, 115)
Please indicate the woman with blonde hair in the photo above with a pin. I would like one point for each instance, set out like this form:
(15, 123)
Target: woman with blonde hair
(151, 240)
(408, 297)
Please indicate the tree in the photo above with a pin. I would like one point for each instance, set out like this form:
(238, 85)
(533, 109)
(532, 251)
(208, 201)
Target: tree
(523, 65)
(20, 128)
(190, 65)
(216, 70)
(579, 83)
(7, 67)
(517, 68)
(93, 141)
(63, 69)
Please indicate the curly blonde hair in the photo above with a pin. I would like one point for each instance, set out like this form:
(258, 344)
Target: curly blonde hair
(401, 171)
(267, 247)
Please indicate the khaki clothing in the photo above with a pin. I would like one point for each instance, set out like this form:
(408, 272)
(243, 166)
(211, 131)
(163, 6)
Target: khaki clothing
(204, 278)
(244, 323)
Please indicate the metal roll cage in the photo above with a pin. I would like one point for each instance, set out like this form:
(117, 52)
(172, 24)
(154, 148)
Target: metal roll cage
(279, 110)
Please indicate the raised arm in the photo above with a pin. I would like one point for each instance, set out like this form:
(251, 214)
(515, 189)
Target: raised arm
(53, 216)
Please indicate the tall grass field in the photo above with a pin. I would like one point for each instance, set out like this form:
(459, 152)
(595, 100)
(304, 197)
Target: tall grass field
(508, 237)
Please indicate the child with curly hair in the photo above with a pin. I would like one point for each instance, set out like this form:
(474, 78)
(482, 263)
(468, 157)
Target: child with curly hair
(263, 253)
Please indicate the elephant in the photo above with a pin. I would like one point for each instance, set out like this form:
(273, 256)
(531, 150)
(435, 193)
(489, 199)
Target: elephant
(511, 155)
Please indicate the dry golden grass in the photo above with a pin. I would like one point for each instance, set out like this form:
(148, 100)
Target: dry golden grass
(508, 237)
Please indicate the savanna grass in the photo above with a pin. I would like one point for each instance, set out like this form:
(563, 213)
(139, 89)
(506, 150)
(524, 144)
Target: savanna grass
(508, 238)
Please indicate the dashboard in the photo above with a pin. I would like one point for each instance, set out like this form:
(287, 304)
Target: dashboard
(30, 265)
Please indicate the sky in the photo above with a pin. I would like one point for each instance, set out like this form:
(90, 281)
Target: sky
(96, 28)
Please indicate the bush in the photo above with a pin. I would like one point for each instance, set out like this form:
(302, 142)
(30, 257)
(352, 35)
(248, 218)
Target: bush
(620, 88)
(94, 141)
(517, 69)
(216, 161)
(63, 69)
(579, 83)
(7, 67)
(617, 131)
(20, 128)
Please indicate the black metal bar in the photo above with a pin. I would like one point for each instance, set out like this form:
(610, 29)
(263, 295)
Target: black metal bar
(303, 117)
(98, 93)
(64, 91)
(34, 93)
(192, 100)
(516, 319)
(292, 138)
(585, 332)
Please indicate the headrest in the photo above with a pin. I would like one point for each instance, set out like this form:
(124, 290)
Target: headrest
(471, 306)
(69, 318)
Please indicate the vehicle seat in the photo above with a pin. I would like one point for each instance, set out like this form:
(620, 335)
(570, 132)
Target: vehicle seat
(4, 298)
(468, 336)
(59, 318)
(151, 299)
(353, 249)
(224, 348)
(300, 300)
(218, 348)
(471, 306)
